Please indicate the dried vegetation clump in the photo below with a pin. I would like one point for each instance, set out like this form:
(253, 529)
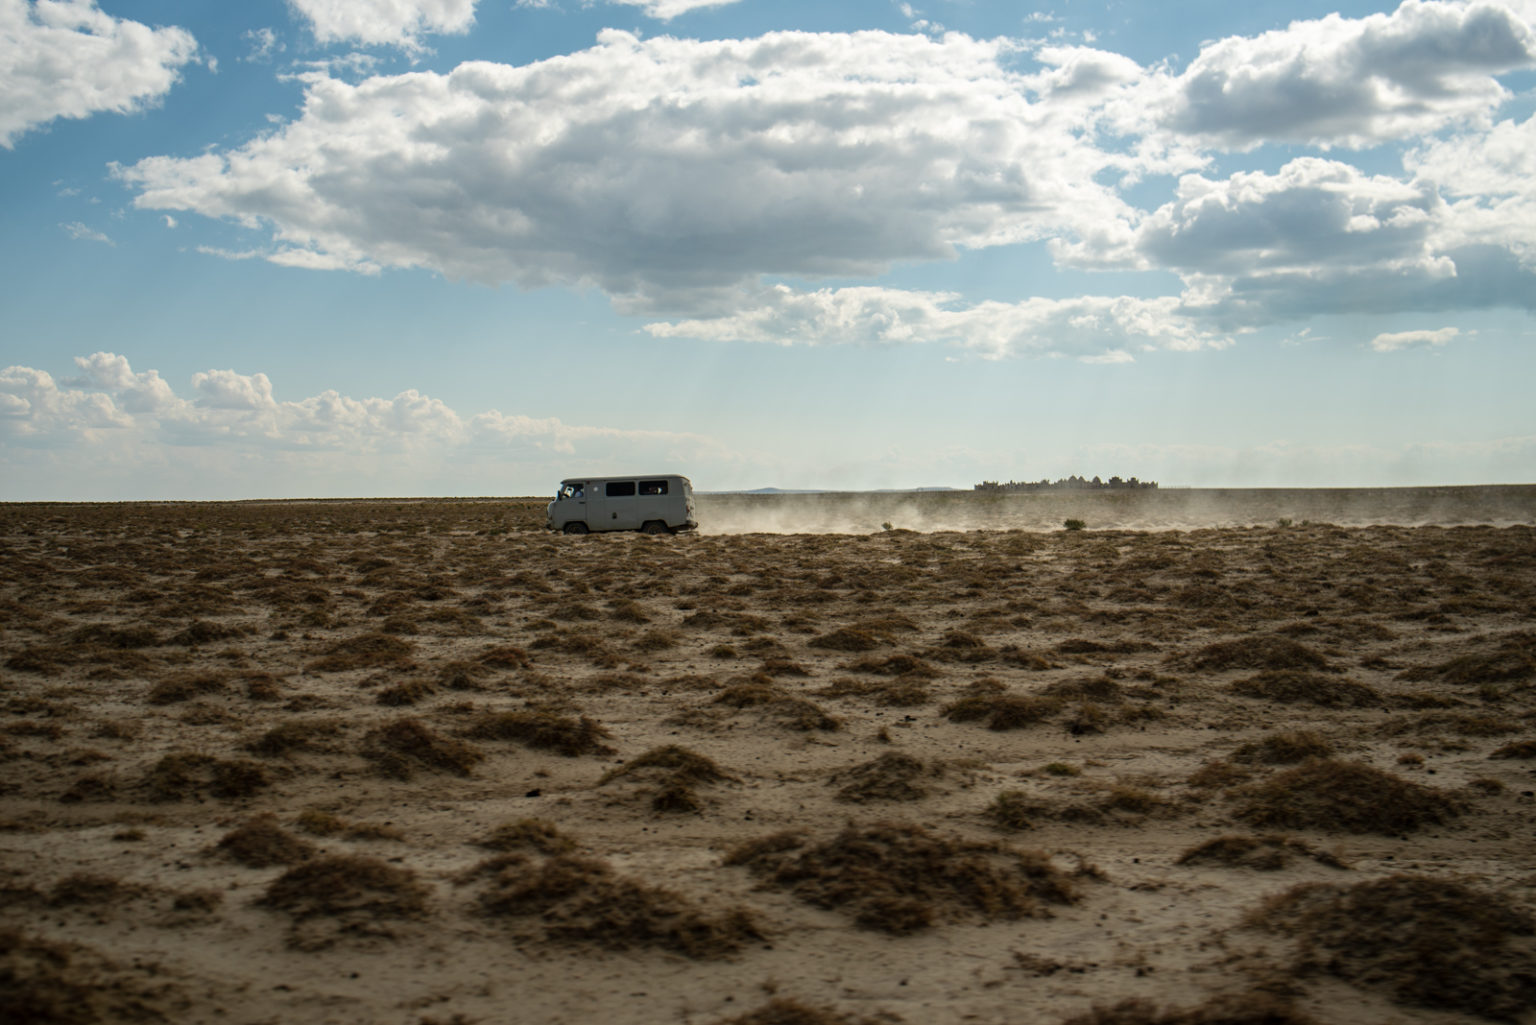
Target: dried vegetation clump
(893, 776)
(1511, 658)
(786, 1011)
(1428, 942)
(1003, 711)
(900, 879)
(1293, 686)
(1286, 748)
(545, 730)
(1262, 653)
(1256, 1008)
(360, 894)
(184, 775)
(1264, 853)
(582, 900)
(1349, 796)
(43, 982)
(399, 748)
(262, 843)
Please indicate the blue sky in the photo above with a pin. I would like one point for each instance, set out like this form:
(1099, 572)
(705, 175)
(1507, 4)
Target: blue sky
(468, 247)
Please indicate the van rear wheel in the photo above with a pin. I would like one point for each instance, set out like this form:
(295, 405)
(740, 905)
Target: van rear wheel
(575, 528)
(656, 527)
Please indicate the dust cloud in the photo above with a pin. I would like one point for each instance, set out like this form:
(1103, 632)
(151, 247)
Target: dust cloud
(1163, 509)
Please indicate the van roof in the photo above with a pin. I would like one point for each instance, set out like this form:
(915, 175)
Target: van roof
(626, 476)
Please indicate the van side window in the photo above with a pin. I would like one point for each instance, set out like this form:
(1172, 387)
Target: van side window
(653, 487)
(620, 489)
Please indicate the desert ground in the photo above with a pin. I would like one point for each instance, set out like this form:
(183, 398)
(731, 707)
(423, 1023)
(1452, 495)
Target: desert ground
(1214, 758)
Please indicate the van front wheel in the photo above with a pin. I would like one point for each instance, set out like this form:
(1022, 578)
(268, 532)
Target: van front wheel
(655, 527)
(575, 528)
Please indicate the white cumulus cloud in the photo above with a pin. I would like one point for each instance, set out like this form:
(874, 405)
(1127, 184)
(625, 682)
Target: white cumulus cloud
(1351, 82)
(1391, 342)
(1097, 328)
(399, 23)
(66, 58)
(665, 171)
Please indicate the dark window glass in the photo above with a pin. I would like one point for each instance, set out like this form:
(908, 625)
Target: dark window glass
(653, 487)
(620, 489)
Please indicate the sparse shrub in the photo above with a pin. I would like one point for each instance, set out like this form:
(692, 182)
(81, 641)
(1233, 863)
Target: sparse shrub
(893, 776)
(580, 900)
(1273, 653)
(901, 879)
(1073, 524)
(1003, 711)
(1014, 810)
(783, 1011)
(185, 686)
(406, 692)
(350, 885)
(203, 632)
(1356, 798)
(366, 651)
(528, 835)
(1429, 942)
(544, 729)
(262, 843)
(1283, 749)
(1293, 686)
(321, 823)
(1519, 749)
(848, 638)
(672, 763)
(293, 736)
(1265, 853)
(398, 748)
(1256, 1008)
(185, 774)
(504, 656)
(1509, 658)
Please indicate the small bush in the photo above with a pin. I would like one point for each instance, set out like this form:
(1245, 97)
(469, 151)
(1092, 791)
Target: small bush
(1300, 686)
(1272, 653)
(1264, 853)
(1003, 711)
(545, 730)
(781, 1011)
(184, 687)
(1429, 942)
(901, 879)
(1519, 749)
(528, 835)
(185, 774)
(1256, 1008)
(397, 749)
(891, 777)
(580, 900)
(1356, 798)
(1283, 749)
(262, 843)
(1073, 524)
(350, 884)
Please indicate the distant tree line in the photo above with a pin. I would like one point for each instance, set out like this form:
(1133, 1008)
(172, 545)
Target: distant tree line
(1069, 484)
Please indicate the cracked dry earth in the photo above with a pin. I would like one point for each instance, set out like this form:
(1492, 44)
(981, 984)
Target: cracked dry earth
(423, 763)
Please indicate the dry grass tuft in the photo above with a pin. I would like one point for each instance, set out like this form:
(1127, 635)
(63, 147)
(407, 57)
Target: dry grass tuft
(1510, 658)
(262, 843)
(783, 1011)
(1003, 711)
(47, 983)
(184, 687)
(1272, 653)
(1287, 748)
(355, 890)
(528, 835)
(366, 651)
(1257, 1008)
(186, 774)
(900, 879)
(672, 763)
(1519, 749)
(397, 749)
(406, 692)
(288, 737)
(891, 777)
(1429, 942)
(543, 729)
(1351, 796)
(580, 900)
(1265, 853)
(1301, 686)
(848, 638)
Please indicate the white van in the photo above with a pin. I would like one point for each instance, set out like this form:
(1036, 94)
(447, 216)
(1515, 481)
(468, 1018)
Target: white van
(659, 504)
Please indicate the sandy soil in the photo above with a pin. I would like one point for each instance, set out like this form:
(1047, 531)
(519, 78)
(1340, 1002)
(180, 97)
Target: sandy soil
(421, 762)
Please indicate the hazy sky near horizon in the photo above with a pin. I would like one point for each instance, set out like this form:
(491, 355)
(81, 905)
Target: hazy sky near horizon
(468, 247)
